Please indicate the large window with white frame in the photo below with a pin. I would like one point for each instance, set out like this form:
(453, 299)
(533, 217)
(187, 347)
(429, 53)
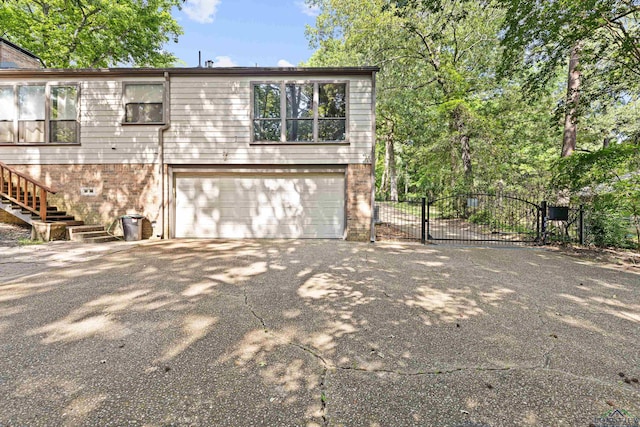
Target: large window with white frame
(299, 112)
(39, 114)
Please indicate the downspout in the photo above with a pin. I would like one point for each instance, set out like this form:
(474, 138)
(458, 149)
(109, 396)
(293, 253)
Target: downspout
(373, 156)
(164, 127)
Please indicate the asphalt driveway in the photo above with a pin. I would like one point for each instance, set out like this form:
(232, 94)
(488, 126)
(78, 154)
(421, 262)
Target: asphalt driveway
(313, 333)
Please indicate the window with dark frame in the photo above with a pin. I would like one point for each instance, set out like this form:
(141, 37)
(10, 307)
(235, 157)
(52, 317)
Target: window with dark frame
(267, 123)
(332, 112)
(313, 112)
(143, 103)
(300, 112)
(25, 119)
(63, 124)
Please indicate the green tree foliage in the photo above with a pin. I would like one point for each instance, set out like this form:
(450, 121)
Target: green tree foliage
(443, 118)
(608, 180)
(602, 38)
(92, 33)
(538, 36)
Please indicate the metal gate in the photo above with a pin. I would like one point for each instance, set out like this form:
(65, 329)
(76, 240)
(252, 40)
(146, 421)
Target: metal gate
(479, 218)
(483, 218)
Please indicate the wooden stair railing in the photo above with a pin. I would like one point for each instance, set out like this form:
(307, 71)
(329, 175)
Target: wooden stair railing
(18, 184)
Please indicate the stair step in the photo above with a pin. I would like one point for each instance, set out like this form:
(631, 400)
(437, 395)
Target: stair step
(74, 223)
(79, 229)
(61, 218)
(100, 239)
(92, 236)
(55, 213)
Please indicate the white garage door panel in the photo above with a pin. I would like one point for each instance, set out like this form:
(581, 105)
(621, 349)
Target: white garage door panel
(260, 206)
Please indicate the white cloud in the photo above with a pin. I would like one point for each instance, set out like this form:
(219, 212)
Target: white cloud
(224, 61)
(201, 11)
(312, 11)
(285, 63)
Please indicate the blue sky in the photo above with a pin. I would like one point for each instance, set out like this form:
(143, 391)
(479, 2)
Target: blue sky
(268, 33)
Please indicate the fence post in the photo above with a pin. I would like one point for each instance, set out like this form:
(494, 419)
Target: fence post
(428, 236)
(543, 215)
(423, 221)
(581, 225)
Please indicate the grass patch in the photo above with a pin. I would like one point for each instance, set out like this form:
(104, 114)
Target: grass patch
(28, 242)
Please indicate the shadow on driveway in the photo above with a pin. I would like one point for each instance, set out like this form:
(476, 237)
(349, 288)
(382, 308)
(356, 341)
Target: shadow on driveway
(318, 333)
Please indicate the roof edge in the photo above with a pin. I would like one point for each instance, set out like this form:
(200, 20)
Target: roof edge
(215, 71)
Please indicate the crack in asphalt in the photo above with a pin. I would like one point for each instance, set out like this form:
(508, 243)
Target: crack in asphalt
(323, 377)
(246, 302)
(323, 396)
(429, 372)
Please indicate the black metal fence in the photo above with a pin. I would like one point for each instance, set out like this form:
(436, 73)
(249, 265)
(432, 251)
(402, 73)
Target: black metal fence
(495, 219)
(563, 224)
(399, 220)
(483, 218)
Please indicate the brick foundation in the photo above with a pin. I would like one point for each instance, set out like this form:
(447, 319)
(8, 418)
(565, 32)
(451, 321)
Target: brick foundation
(134, 188)
(359, 202)
(119, 190)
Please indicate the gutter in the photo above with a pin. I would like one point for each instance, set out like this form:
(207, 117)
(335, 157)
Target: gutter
(161, 130)
(373, 155)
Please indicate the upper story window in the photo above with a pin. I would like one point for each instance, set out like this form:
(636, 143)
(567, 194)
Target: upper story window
(143, 103)
(7, 114)
(31, 114)
(267, 122)
(39, 114)
(299, 112)
(64, 110)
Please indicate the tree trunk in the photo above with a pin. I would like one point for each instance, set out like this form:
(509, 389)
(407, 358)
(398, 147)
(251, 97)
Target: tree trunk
(463, 140)
(390, 162)
(573, 96)
(465, 146)
(606, 142)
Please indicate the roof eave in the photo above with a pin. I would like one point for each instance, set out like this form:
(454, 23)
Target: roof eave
(216, 71)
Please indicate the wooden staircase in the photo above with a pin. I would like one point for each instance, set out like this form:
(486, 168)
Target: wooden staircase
(26, 199)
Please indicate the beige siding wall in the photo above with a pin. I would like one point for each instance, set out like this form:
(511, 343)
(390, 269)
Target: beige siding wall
(210, 124)
(103, 138)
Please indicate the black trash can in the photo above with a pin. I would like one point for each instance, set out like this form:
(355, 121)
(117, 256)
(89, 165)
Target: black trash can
(132, 227)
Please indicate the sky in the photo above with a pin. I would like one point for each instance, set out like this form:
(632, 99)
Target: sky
(244, 33)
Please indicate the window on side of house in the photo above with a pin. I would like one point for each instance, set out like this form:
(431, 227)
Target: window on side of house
(300, 112)
(39, 114)
(332, 112)
(31, 114)
(267, 125)
(7, 115)
(63, 114)
(143, 103)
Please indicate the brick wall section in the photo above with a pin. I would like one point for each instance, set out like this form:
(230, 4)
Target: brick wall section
(119, 190)
(22, 60)
(134, 188)
(359, 202)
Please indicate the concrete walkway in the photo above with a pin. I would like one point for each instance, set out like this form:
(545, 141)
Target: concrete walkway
(314, 333)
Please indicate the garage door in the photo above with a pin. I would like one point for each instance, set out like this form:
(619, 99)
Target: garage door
(267, 205)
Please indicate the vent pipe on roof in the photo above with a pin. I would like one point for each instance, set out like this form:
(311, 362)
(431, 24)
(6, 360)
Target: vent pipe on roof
(208, 63)
(199, 59)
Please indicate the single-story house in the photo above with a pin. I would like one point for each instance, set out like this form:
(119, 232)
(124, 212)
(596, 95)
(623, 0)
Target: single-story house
(200, 152)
